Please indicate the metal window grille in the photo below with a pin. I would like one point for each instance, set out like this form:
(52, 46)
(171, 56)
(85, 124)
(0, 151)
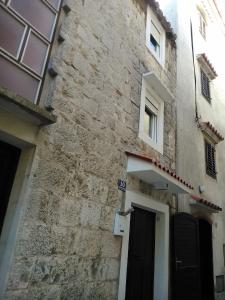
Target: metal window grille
(210, 159)
(205, 86)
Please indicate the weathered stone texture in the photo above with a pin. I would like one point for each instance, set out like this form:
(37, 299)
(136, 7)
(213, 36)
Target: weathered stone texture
(65, 248)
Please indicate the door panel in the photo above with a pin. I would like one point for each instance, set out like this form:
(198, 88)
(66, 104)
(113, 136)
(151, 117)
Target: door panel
(140, 267)
(206, 260)
(185, 254)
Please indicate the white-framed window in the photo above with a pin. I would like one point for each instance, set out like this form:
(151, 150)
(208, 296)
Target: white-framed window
(202, 24)
(155, 36)
(210, 158)
(151, 117)
(205, 86)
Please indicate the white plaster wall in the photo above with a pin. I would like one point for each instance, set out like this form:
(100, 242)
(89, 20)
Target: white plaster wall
(190, 142)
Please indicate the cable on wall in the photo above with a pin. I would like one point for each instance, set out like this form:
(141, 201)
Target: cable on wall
(197, 117)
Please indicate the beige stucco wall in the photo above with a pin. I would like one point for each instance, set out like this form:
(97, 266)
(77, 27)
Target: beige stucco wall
(64, 247)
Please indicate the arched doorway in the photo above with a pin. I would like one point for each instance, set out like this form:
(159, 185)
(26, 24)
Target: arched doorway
(206, 259)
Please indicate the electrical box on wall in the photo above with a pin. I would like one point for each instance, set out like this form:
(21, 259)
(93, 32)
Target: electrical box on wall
(119, 224)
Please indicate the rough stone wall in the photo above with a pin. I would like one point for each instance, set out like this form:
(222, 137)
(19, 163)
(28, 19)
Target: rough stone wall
(65, 248)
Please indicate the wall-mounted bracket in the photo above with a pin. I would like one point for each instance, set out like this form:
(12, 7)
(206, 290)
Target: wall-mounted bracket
(162, 186)
(127, 212)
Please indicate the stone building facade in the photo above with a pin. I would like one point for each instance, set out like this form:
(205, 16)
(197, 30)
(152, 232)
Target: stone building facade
(78, 139)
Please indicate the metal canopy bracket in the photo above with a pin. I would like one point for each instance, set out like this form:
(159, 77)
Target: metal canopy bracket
(162, 186)
(204, 207)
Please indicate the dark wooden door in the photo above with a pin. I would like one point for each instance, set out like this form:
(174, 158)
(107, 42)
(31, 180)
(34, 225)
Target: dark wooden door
(9, 157)
(185, 258)
(140, 268)
(206, 260)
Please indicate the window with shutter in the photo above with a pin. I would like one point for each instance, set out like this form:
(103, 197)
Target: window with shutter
(210, 159)
(155, 36)
(202, 25)
(155, 39)
(205, 86)
(151, 117)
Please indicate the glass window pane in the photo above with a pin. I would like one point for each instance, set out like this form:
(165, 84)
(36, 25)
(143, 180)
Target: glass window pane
(35, 53)
(154, 45)
(146, 123)
(11, 32)
(36, 13)
(17, 80)
(54, 3)
(150, 124)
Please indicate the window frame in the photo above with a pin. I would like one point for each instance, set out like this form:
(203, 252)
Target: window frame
(5, 51)
(210, 159)
(202, 24)
(152, 19)
(17, 60)
(153, 119)
(148, 95)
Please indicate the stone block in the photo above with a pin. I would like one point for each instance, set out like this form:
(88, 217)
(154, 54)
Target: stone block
(44, 292)
(87, 242)
(90, 214)
(110, 245)
(69, 212)
(103, 269)
(107, 218)
(100, 290)
(20, 273)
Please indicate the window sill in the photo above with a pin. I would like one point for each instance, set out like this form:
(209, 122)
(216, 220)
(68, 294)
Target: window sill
(211, 176)
(157, 146)
(156, 84)
(25, 109)
(158, 59)
(202, 36)
(208, 99)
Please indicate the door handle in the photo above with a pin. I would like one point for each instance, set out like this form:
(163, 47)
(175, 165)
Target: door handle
(178, 262)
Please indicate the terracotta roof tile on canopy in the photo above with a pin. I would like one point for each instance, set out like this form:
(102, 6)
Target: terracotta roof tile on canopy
(162, 167)
(166, 25)
(206, 203)
(211, 131)
(204, 61)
